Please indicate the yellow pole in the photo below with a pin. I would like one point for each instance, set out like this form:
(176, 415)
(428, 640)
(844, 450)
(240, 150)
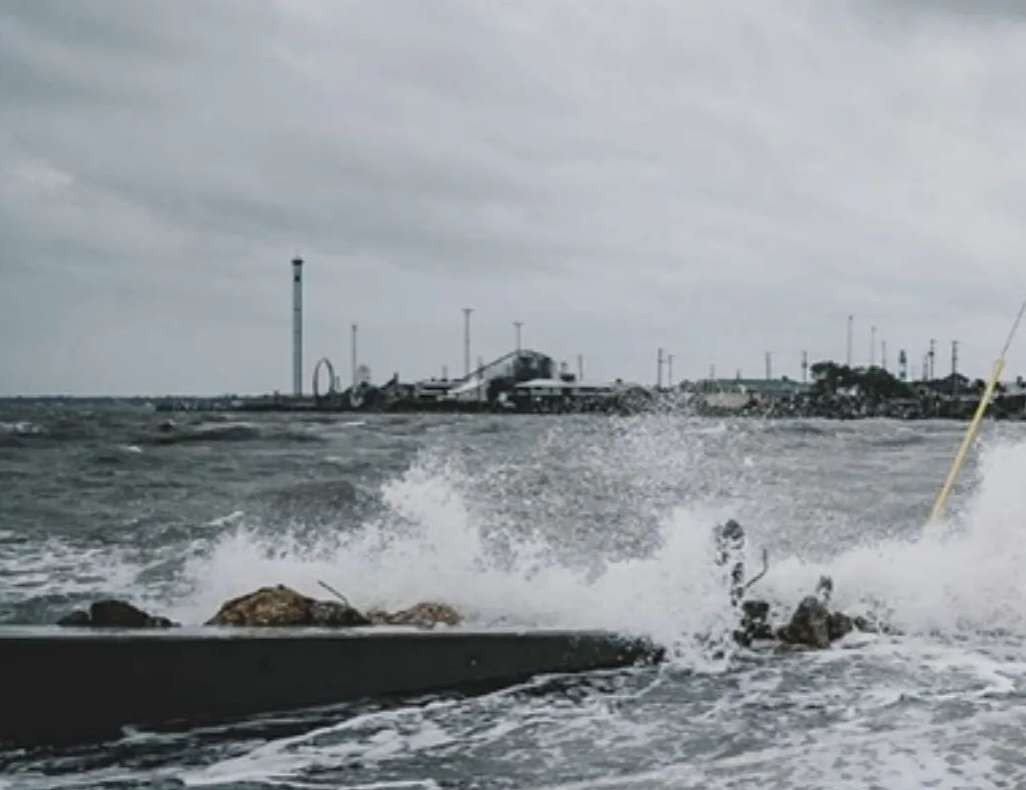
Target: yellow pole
(970, 434)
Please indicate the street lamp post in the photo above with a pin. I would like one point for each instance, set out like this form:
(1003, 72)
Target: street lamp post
(466, 340)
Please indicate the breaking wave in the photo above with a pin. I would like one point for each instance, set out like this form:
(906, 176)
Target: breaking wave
(428, 546)
(964, 573)
(443, 534)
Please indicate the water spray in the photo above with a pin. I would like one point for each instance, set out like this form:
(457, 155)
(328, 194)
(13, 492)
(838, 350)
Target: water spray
(974, 425)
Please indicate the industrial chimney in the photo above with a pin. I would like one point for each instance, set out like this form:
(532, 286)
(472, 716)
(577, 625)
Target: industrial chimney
(297, 326)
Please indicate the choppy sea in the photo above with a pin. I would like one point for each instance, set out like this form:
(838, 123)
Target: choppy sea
(580, 522)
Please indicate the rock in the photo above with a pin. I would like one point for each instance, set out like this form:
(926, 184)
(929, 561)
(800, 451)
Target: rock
(754, 623)
(283, 606)
(426, 614)
(335, 614)
(267, 606)
(755, 611)
(77, 617)
(810, 625)
(840, 625)
(112, 613)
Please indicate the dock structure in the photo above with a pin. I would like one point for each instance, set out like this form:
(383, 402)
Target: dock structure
(69, 685)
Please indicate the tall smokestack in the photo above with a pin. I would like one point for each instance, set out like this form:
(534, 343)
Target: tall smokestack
(297, 327)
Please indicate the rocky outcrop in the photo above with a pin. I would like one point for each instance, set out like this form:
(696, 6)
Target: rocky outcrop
(840, 625)
(283, 606)
(426, 614)
(114, 614)
(809, 625)
(813, 625)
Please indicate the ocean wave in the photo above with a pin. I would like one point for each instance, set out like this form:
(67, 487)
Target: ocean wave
(218, 432)
(21, 428)
(171, 433)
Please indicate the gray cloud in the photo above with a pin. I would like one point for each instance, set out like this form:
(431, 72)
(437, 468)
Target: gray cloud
(718, 180)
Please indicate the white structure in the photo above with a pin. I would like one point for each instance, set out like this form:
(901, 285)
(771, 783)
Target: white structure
(297, 327)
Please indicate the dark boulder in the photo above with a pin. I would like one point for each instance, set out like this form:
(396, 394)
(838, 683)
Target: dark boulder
(809, 625)
(840, 625)
(814, 625)
(112, 613)
(283, 606)
(754, 623)
(77, 617)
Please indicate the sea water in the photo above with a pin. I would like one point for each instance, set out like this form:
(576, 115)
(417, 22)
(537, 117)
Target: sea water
(577, 522)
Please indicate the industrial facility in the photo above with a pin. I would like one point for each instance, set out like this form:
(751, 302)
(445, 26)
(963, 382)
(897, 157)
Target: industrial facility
(525, 380)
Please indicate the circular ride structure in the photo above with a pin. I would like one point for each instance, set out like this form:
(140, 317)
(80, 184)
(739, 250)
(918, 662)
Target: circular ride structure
(323, 362)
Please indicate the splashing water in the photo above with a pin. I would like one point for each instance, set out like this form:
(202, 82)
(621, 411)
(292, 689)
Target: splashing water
(429, 546)
(963, 574)
(575, 523)
(442, 534)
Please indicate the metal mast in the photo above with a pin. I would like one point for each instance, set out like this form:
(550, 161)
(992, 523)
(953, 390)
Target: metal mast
(466, 340)
(297, 327)
(352, 351)
(851, 320)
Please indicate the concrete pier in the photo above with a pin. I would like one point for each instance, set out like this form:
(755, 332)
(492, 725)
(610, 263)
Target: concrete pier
(66, 685)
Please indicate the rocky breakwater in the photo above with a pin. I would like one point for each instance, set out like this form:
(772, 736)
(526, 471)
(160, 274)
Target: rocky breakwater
(283, 606)
(272, 607)
(813, 625)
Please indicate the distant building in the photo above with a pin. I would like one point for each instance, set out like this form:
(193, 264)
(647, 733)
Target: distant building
(484, 383)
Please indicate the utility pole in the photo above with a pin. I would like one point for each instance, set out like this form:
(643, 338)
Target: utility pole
(954, 366)
(805, 367)
(519, 325)
(903, 365)
(352, 352)
(669, 370)
(883, 354)
(580, 367)
(466, 340)
(851, 321)
(659, 368)
(931, 356)
(712, 372)
(769, 365)
(872, 346)
(445, 372)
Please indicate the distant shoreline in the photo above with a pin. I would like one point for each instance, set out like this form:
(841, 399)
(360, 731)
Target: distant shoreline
(669, 402)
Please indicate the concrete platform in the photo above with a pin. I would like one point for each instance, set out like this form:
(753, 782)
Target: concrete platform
(60, 685)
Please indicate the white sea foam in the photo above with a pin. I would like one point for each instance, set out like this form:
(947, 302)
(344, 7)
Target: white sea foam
(967, 573)
(429, 548)
(21, 428)
(232, 518)
(436, 541)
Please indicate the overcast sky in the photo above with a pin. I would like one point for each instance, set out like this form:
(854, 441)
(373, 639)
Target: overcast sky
(720, 179)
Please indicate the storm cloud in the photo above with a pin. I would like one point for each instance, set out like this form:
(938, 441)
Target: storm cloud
(719, 179)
